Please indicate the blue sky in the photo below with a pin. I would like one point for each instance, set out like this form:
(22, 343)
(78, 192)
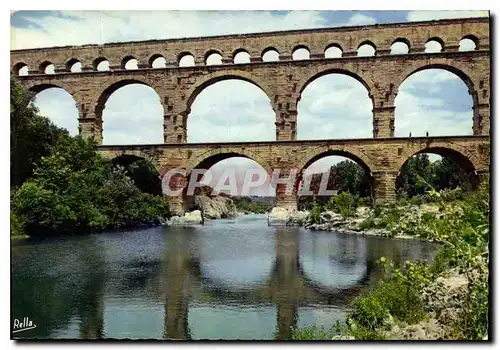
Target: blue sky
(433, 100)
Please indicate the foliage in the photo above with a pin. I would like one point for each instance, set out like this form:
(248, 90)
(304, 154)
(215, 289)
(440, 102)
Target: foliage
(71, 188)
(418, 175)
(462, 226)
(31, 135)
(313, 332)
(345, 176)
(344, 203)
(250, 205)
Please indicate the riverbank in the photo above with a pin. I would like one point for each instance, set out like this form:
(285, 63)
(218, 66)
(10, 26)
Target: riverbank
(445, 299)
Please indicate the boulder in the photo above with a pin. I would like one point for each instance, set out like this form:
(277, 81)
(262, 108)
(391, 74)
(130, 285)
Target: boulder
(284, 216)
(189, 219)
(217, 207)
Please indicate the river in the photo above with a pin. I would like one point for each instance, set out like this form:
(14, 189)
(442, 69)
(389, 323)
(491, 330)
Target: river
(228, 279)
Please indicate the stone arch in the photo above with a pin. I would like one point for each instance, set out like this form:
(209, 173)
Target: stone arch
(304, 82)
(153, 58)
(467, 161)
(225, 153)
(132, 154)
(209, 53)
(218, 76)
(117, 82)
(72, 61)
(352, 153)
(17, 67)
(464, 76)
(39, 86)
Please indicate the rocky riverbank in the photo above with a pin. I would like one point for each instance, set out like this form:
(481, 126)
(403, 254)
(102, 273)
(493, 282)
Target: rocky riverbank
(210, 208)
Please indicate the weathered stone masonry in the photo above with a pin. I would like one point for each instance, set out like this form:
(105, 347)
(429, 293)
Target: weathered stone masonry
(282, 81)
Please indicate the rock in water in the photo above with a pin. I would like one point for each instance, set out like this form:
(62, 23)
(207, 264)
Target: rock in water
(283, 216)
(217, 207)
(189, 219)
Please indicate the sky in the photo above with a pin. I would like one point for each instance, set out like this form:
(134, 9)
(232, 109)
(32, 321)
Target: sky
(436, 101)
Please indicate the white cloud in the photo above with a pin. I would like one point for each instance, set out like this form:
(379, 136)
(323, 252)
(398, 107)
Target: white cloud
(437, 114)
(360, 19)
(434, 15)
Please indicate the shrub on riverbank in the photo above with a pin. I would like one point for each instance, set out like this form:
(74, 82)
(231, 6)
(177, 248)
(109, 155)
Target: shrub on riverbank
(61, 185)
(412, 294)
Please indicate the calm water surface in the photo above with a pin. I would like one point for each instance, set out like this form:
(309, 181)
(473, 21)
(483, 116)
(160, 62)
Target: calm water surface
(228, 279)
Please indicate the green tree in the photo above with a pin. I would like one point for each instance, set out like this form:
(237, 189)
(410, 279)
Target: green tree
(31, 135)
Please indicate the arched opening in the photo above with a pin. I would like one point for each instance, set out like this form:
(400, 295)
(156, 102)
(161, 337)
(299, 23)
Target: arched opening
(330, 173)
(213, 58)
(270, 55)
(101, 64)
(132, 114)
(333, 51)
(300, 53)
(186, 60)
(129, 63)
(400, 47)
(142, 172)
(434, 45)
(21, 69)
(158, 61)
(435, 168)
(47, 68)
(217, 115)
(326, 109)
(58, 105)
(434, 101)
(74, 66)
(468, 43)
(366, 49)
(241, 56)
(244, 180)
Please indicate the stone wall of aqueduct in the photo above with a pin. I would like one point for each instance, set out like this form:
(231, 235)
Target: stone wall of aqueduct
(283, 82)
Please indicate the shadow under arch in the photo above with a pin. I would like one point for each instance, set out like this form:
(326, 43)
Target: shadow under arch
(219, 76)
(348, 152)
(468, 164)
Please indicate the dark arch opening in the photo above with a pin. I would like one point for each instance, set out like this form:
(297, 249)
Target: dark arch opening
(338, 171)
(101, 64)
(157, 61)
(469, 43)
(436, 168)
(325, 109)
(141, 171)
(135, 114)
(47, 68)
(20, 69)
(130, 62)
(438, 99)
(74, 65)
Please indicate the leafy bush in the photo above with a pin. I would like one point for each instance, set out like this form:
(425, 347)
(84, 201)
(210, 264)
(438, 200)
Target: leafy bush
(344, 203)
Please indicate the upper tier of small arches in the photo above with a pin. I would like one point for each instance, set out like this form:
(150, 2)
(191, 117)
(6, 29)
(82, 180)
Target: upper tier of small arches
(268, 53)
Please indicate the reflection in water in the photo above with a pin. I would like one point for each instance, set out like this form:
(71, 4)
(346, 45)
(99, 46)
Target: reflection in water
(229, 279)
